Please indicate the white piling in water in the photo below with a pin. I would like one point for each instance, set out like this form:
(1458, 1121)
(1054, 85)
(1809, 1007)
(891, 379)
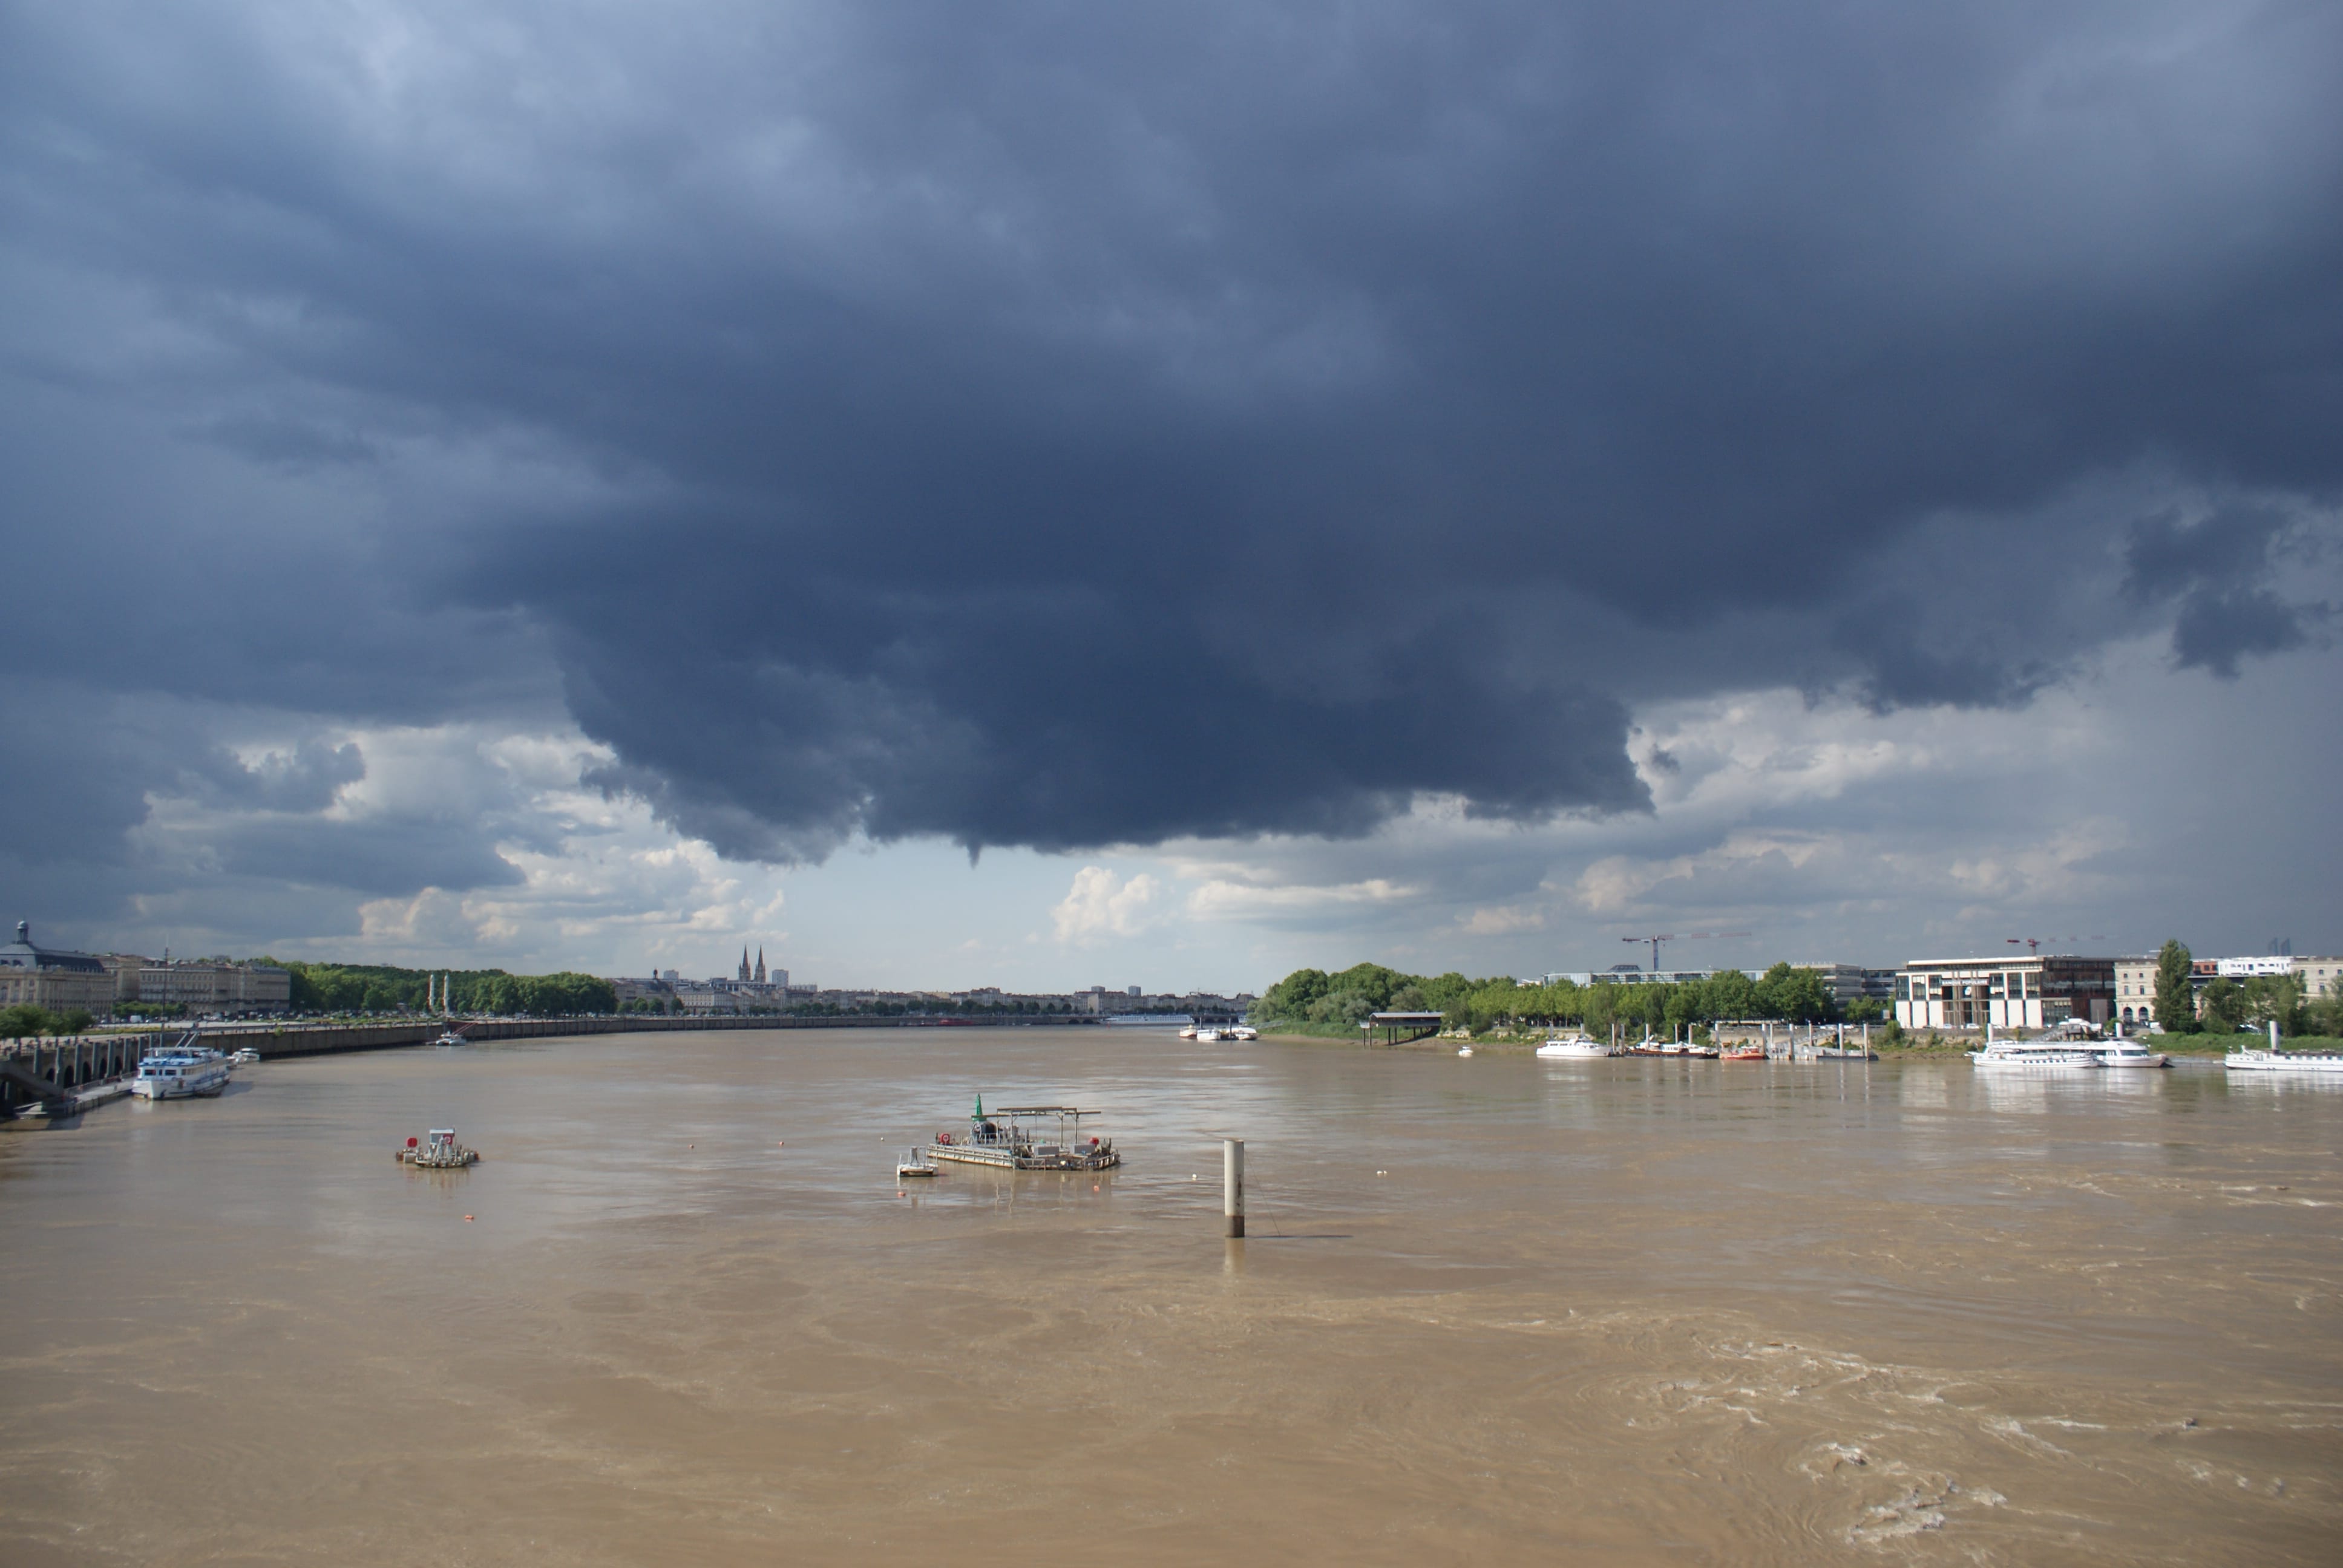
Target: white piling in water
(1232, 1184)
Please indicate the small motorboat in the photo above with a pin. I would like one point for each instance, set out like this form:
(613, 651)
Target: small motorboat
(451, 1038)
(1207, 1034)
(1463, 1050)
(244, 1057)
(1241, 1032)
(1743, 1053)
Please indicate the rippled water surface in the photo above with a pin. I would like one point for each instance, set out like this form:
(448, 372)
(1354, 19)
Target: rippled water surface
(1493, 1310)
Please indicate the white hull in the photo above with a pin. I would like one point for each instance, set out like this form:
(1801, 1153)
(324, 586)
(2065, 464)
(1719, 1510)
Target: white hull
(1579, 1049)
(201, 1083)
(2035, 1059)
(2323, 1062)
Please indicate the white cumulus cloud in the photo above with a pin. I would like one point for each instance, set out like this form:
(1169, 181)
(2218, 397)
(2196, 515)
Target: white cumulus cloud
(1097, 907)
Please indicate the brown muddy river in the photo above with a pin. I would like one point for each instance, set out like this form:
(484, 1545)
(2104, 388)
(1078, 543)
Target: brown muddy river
(1493, 1310)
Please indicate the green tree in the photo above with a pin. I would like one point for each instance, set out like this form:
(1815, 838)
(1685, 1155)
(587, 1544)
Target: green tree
(1796, 994)
(1729, 993)
(2225, 1005)
(73, 1020)
(2176, 991)
(2275, 998)
(25, 1021)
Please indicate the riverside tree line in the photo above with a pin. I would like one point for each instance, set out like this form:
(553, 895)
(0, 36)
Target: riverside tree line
(1313, 1000)
(379, 988)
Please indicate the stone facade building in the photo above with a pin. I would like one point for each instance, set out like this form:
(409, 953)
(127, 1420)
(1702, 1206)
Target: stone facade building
(53, 978)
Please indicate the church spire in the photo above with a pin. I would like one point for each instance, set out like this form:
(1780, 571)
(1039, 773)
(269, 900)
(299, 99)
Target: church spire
(744, 960)
(760, 965)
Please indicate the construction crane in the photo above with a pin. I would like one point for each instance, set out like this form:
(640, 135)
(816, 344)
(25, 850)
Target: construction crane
(1658, 938)
(2034, 944)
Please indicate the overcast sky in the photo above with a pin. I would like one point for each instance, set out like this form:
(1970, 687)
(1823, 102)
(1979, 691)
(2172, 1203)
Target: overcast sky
(971, 493)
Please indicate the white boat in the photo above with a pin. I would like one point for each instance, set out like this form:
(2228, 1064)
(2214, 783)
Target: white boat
(1463, 1050)
(244, 1057)
(2018, 1056)
(1572, 1046)
(2255, 1058)
(2122, 1052)
(451, 1038)
(1189, 1032)
(1241, 1031)
(179, 1076)
(1207, 1034)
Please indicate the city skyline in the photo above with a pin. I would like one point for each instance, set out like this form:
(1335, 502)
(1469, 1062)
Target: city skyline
(969, 497)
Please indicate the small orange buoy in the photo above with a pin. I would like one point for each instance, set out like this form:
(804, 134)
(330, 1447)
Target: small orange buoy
(468, 1219)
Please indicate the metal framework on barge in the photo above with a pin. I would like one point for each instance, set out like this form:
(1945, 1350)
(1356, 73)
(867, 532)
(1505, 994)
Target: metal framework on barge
(1011, 1138)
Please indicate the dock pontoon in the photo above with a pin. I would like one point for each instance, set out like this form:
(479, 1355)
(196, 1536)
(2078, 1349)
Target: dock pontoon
(1027, 1137)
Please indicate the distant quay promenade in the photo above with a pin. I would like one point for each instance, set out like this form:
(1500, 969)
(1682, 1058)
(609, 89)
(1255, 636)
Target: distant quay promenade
(64, 1064)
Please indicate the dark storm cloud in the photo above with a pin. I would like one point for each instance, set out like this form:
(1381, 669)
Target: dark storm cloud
(2217, 570)
(1050, 428)
(305, 779)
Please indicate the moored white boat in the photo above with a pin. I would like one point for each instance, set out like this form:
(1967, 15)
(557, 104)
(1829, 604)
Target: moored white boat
(181, 1075)
(1572, 1046)
(2257, 1059)
(2122, 1052)
(1241, 1031)
(1207, 1034)
(2018, 1056)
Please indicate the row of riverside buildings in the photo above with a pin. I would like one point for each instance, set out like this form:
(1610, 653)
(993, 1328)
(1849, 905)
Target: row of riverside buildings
(108, 984)
(2042, 990)
(2036, 990)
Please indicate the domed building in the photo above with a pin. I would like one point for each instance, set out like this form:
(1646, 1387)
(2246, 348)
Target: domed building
(54, 978)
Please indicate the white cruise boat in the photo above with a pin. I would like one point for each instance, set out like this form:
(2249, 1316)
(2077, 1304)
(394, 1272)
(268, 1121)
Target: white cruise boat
(2255, 1059)
(179, 1076)
(2018, 1056)
(1573, 1047)
(2122, 1052)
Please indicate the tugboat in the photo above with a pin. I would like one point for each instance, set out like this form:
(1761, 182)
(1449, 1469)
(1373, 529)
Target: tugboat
(442, 1152)
(1005, 1140)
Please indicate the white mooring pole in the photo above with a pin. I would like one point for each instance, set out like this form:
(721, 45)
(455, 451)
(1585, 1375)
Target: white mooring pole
(1232, 1184)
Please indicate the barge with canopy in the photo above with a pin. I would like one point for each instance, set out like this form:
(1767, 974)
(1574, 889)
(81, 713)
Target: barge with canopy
(1026, 1138)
